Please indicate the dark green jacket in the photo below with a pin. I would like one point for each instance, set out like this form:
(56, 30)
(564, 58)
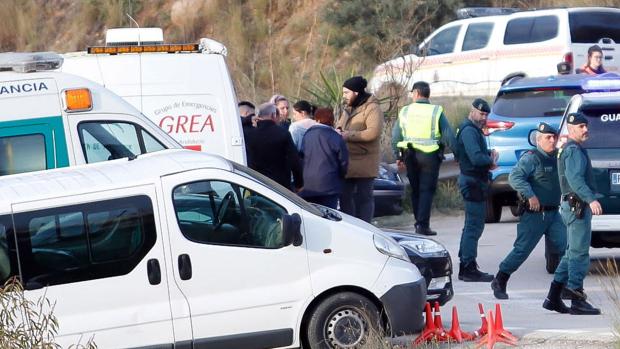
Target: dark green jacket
(575, 170)
(471, 150)
(536, 174)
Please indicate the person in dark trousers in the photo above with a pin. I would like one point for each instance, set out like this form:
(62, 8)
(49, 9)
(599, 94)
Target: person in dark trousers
(247, 112)
(579, 203)
(420, 133)
(326, 158)
(360, 125)
(271, 150)
(535, 178)
(475, 162)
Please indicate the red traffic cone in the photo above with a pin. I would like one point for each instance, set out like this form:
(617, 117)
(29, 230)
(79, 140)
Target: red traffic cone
(490, 338)
(484, 327)
(499, 327)
(455, 332)
(428, 333)
(440, 332)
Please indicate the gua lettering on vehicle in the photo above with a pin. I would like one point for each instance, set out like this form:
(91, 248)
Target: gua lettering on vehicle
(610, 117)
(196, 123)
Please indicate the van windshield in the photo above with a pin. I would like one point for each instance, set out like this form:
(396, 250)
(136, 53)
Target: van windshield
(534, 103)
(603, 127)
(588, 27)
(269, 183)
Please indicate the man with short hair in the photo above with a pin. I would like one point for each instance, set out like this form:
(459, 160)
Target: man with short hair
(271, 150)
(535, 179)
(578, 205)
(475, 162)
(420, 134)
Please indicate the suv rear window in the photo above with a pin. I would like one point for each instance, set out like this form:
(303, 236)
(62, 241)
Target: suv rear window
(589, 27)
(603, 126)
(533, 103)
(531, 29)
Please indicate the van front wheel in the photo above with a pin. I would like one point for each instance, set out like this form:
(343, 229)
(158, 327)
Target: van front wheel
(343, 320)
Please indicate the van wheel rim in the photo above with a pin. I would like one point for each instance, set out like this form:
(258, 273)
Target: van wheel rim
(346, 328)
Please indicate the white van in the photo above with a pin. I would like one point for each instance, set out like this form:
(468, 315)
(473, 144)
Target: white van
(185, 89)
(470, 57)
(188, 249)
(51, 119)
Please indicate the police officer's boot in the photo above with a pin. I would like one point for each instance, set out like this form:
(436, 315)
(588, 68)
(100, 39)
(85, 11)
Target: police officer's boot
(469, 272)
(554, 300)
(569, 294)
(580, 305)
(498, 285)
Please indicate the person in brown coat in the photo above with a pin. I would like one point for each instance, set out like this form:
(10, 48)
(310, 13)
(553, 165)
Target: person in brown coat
(360, 124)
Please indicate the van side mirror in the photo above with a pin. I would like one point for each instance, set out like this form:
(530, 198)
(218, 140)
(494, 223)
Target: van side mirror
(291, 229)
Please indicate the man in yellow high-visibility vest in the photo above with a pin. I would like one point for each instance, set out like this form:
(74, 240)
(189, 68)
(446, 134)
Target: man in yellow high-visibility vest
(418, 138)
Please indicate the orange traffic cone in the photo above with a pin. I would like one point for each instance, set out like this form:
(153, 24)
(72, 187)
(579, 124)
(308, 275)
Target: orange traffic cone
(484, 327)
(490, 338)
(455, 332)
(440, 332)
(499, 326)
(428, 333)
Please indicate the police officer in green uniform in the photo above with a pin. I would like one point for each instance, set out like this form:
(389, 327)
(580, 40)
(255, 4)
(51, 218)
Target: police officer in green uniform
(577, 207)
(535, 178)
(419, 134)
(475, 162)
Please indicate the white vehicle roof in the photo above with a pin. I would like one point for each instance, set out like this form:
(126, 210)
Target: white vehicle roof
(145, 169)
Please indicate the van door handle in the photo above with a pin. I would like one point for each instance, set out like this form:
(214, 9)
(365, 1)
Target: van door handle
(447, 62)
(185, 267)
(484, 58)
(153, 271)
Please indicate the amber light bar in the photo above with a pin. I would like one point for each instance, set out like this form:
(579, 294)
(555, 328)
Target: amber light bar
(168, 48)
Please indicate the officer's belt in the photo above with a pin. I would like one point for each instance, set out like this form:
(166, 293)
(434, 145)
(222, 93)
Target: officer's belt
(545, 209)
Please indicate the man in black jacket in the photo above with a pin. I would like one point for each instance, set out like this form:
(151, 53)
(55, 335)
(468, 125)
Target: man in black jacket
(271, 150)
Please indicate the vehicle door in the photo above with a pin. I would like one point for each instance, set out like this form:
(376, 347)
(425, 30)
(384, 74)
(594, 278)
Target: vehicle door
(438, 62)
(100, 258)
(32, 145)
(595, 27)
(242, 284)
(479, 55)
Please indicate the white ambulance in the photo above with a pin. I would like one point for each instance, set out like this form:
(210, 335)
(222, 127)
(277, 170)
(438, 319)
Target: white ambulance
(185, 89)
(51, 119)
(188, 250)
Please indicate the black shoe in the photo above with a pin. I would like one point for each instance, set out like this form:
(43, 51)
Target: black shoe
(498, 285)
(470, 273)
(425, 231)
(582, 307)
(553, 301)
(570, 294)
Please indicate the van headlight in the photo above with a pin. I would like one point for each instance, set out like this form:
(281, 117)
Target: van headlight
(423, 246)
(388, 246)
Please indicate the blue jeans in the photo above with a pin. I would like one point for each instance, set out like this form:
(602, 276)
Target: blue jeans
(475, 212)
(531, 227)
(576, 261)
(356, 198)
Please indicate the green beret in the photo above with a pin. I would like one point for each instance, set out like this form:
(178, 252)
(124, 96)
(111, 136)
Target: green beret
(546, 128)
(481, 105)
(577, 118)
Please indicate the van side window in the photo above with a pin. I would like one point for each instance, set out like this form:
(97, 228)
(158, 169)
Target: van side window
(8, 256)
(84, 242)
(444, 41)
(24, 153)
(104, 140)
(477, 36)
(531, 29)
(223, 213)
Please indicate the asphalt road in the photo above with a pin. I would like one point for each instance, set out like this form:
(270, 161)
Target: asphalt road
(523, 313)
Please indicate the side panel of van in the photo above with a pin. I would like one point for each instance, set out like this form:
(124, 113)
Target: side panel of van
(101, 257)
(32, 145)
(227, 258)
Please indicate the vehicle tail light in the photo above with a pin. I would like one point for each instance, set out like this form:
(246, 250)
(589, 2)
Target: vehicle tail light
(496, 125)
(568, 58)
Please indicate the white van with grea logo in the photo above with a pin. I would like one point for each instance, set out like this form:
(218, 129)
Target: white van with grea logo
(51, 119)
(471, 56)
(188, 250)
(185, 89)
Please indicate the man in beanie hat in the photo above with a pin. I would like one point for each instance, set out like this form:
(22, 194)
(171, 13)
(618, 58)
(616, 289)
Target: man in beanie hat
(360, 125)
(579, 203)
(420, 134)
(535, 179)
(475, 162)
